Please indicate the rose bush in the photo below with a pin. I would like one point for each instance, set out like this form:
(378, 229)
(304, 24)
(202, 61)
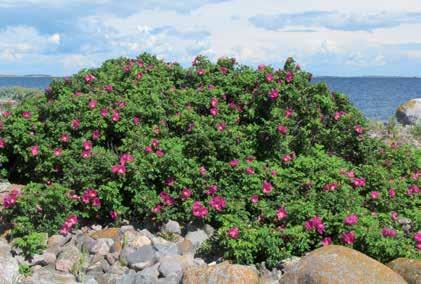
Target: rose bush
(278, 165)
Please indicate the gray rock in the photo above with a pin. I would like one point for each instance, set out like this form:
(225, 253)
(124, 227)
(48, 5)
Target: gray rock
(90, 280)
(47, 275)
(142, 265)
(171, 227)
(85, 243)
(209, 229)
(146, 233)
(135, 239)
(148, 275)
(131, 255)
(101, 246)
(68, 258)
(38, 259)
(409, 113)
(199, 261)
(126, 228)
(169, 265)
(171, 279)
(50, 257)
(9, 267)
(404, 221)
(197, 238)
(165, 247)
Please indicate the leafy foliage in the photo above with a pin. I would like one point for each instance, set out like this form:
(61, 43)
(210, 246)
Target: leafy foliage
(274, 162)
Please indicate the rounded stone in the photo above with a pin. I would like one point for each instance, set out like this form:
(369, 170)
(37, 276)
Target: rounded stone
(409, 269)
(409, 113)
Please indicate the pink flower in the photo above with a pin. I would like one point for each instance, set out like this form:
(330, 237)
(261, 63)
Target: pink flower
(87, 145)
(417, 237)
(113, 215)
(221, 126)
(58, 152)
(6, 114)
(68, 224)
(186, 193)
(92, 104)
(160, 153)
(348, 238)
(392, 193)
(250, 171)
(35, 150)
(77, 94)
(170, 181)
(199, 210)
(104, 112)
(89, 78)
(213, 111)
(418, 246)
(218, 203)
(96, 134)
(394, 215)
(212, 189)
(139, 76)
(10, 199)
(119, 169)
(108, 88)
(326, 241)
(273, 94)
(65, 138)
(116, 115)
(223, 70)
(315, 223)
(166, 198)
(26, 114)
(282, 129)
(281, 213)
(261, 67)
(234, 163)
(267, 187)
(148, 149)
(201, 72)
(157, 209)
(254, 199)
(358, 129)
(136, 120)
(358, 182)
(250, 159)
(388, 233)
(330, 186)
(2, 143)
(155, 143)
(214, 102)
(413, 189)
(289, 77)
(374, 195)
(202, 171)
(289, 112)
(86, 154)
(351, 219)
(287, 158)
(339, 114)
(75, 123)
(234, 233)
(126, 158)
(351, 174)
(269, 77)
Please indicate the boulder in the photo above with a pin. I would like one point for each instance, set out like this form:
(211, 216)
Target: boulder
(139, 258)
(223, 273)
(9, 267)
(338, 264)
(410, 269)
(48, 275)
(197, 237)
(68, 258)
(171, 227)
(110, 233)
(409, 113)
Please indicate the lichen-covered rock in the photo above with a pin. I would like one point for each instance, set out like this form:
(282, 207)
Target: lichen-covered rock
(110, 233)
(410, 269)
(338, 264)
(409, 112)
(223, 273)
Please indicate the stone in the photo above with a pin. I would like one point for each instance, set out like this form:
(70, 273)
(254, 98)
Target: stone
(208, 229)
(141, 265)
(338, 264)
(170, 265)
(164, 247)
(50, 257)
(110, 233)
(223, 273)
(185, 247)
(131, 255)
(135, 239)
(101, 246)
(171, 227)
(409, 113)
(96, 227)
(38, 259)
(146, 233)
(171, 279)
(197, 238)
(57, 240)
(68, 258)
(9, 267)
(123, 229)
(47, 275)
(409, 269)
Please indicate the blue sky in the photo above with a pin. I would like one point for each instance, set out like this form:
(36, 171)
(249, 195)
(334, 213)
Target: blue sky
(345, 38)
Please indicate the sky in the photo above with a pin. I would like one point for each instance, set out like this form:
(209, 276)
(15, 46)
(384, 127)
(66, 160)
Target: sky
(336, 38)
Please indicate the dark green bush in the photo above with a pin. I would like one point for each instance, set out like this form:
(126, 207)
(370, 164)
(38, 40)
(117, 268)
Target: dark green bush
(274, 162)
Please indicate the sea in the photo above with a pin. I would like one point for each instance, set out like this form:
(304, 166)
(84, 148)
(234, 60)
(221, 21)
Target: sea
(377, 97)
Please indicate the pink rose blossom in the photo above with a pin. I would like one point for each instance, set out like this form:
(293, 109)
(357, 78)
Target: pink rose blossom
(254, 199)
(201, 72)
(58, 152)
(281, 214)
(358, 129)
(287, 158)
(155, 143)
(273, 94)
(412, 189)
(221, 126)
(96, 134)
(89, 78)
(75, 123)
(289, 112)
(267, 187)
(326, 241)
(351, 219)
(113, 215)
(86, 154)
(394, 215)
(186, 193)
(118, 169)
(212, 189)
(315, 223)
(388, 233)
(269, 77)
(358, 182)
(250, 171)
(289, 77)
(166, 198)
(136, 120)
(126, 158)
(213, 111)
(87, 145)
(116, 115)
(348, 238)
(330, 186)
(2, 143)
(26, 114)
(282, 129)
(104, 112)
(392, 193)
(148, 149)
(108, 88)
(35, 150)
(339, 114)
(214, 102)
(92, 104)
(202, 170)
(218, 203)
(234, 163)
(199, 210)
(417, 237)
(234, 233)
(160, 153)
(375, 195)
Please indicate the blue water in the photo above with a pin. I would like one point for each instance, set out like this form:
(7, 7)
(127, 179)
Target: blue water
(378, 98)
